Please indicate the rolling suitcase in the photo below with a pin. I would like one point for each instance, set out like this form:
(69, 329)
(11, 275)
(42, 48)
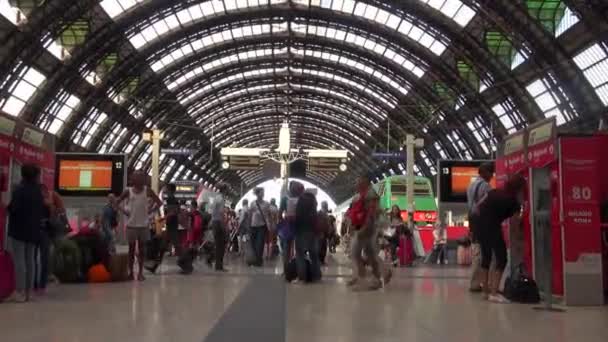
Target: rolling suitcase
(406, 251)
(291, 271)
(7, 274)
(464, 255)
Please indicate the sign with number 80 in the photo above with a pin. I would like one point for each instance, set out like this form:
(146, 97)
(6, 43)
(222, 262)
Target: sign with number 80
(581, 193)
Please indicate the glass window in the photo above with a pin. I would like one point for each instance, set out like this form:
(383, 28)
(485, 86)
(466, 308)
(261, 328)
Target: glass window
(9, 12)
(508, 115)
(29, 82)
(115, 8)
(548, 100)
(87, 128)
(594, 63)
(58, 111)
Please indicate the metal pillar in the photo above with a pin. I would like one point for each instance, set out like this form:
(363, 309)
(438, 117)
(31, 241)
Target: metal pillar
(411, 143)
(156, 137)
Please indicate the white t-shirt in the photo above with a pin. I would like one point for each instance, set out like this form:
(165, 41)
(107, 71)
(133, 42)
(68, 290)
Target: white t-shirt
(260, 213)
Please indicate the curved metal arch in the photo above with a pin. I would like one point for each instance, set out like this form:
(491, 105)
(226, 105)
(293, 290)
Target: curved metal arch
(256, 116)
(336, 118)
(549, 54)
(364, 103)
(344, 109)
(331, 73)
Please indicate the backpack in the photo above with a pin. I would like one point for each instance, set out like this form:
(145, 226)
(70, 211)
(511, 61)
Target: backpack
(306, 211)
(520, 288)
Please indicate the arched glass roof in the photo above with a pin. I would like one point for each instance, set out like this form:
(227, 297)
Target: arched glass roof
(348, 73)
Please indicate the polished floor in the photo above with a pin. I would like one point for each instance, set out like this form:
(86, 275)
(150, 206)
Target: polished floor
(421, 304)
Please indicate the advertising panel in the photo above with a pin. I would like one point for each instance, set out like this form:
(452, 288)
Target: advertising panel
(542, 143)
(581, 220)
(78, 175)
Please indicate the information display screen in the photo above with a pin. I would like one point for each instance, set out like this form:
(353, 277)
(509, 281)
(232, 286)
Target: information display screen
(455, 178)
(85, 175)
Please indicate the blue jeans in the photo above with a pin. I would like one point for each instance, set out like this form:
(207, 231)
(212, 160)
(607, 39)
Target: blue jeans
(258, 239)
(23, 258)
(307, 242)
(42, 259)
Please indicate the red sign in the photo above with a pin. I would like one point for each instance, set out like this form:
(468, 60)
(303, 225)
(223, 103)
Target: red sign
(542, 155)
(580, 196)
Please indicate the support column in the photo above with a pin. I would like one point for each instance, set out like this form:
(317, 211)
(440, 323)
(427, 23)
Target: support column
(411, 143)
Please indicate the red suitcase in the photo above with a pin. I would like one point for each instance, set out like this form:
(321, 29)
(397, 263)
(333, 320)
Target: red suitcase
(7, 274)
(406, 251)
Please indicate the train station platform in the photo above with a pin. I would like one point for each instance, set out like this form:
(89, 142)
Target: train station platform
(422, 304)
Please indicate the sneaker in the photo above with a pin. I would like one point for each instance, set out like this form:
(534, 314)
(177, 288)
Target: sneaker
(151, 268)
(352, 282)
(499, 299)
(17, 297)
(388, 275)
(375, 284)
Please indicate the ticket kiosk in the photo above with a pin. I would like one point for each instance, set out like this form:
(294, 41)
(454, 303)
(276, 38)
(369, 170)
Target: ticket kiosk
(561, 233)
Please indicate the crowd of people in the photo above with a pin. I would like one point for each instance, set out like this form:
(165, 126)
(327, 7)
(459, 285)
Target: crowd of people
(295, 230)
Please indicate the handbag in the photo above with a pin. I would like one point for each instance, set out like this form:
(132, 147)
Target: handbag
(285, 230)
(520, 288)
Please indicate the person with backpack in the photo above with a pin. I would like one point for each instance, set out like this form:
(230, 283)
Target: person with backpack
(260, 216)
(477, 190)
(364, 215)
(109, 221)
(287, 217)
(307, 245)
(492, 210)
(26, 212)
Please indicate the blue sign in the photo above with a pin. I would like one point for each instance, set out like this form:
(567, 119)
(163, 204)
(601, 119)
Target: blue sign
(389, 155)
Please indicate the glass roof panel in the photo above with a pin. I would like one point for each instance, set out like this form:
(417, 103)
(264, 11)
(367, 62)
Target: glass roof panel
(358, 102)
(216, 7)
(453, 9)
(593, 61)
(114, 8)
(333, 77)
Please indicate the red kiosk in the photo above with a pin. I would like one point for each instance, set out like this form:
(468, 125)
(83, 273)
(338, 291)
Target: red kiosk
(22, 143)
(562, 235)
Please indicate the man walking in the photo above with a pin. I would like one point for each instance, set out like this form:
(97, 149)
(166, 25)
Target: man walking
(476, 191)
(218, 226)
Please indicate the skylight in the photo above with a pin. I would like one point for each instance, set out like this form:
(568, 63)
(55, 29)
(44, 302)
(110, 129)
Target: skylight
(23, 90)
(114, 8)
(548, 100)
(594, 64)
(453, 9)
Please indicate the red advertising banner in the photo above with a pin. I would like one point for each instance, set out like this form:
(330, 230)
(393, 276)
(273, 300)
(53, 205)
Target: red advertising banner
(580, 196)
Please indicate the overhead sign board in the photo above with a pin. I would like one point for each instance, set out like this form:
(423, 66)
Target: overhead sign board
(389, 155)
(324, 164)
(241, 162)
(178, 151)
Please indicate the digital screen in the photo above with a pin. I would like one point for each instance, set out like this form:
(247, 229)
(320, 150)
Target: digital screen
(90, 174)
(454, 178)
(463, 176)
(85, 175)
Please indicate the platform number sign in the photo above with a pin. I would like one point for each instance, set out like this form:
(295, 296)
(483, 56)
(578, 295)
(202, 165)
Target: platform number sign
(118, 165)
(581, 193)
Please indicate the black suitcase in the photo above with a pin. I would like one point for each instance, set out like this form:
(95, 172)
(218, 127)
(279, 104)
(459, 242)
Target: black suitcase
(291, 271)
(186, 259)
